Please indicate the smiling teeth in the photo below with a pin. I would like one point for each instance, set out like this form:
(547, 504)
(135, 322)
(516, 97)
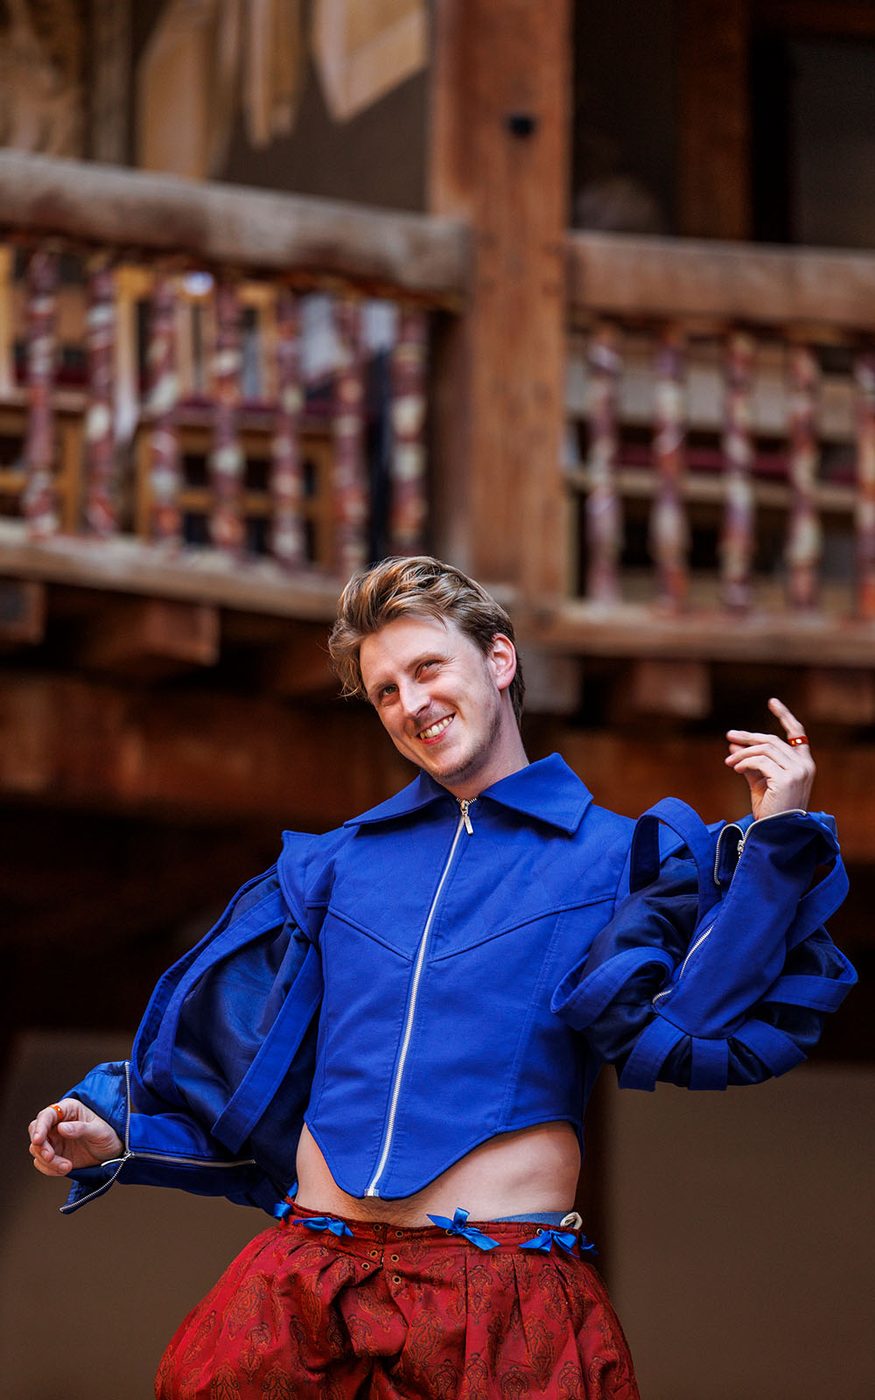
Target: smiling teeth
(435, 729)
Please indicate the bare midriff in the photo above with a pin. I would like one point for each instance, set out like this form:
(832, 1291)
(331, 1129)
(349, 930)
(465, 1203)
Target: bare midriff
(533, 1169)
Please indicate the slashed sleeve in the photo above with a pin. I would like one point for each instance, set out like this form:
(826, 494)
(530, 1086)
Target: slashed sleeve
(731, 996)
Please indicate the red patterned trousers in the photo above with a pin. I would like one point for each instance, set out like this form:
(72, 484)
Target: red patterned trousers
(396, 1312)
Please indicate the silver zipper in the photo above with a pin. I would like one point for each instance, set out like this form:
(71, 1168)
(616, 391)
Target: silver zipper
(790, 811)
(464, 824)
(698, 943)
(147, 1156)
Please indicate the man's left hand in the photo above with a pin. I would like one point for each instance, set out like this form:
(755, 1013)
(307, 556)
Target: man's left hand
(778, 773)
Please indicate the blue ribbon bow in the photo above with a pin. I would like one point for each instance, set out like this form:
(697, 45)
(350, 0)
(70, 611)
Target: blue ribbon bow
(458, 1226)
(566, 1239)
(313, 1222)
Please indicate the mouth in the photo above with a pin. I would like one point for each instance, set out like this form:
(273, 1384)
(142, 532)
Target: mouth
(435, 731)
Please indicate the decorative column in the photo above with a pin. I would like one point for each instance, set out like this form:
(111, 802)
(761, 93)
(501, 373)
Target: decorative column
(40, 503)
(286, 485)
(165, 476)
(803, 527)
(737, 541)
(101, 515)
(350, 481)
(226, 459)
(864, 373)
(604, 526)
(669, 535)
(408, 510)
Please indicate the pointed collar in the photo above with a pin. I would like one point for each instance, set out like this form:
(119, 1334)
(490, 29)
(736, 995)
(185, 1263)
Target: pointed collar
(547, 790)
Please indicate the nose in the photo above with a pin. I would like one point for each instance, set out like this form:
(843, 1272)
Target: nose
(415, 697)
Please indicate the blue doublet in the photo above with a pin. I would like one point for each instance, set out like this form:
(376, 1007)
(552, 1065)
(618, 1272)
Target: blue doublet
(411, 988)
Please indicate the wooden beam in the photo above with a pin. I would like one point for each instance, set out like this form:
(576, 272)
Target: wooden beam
(637, 631)
(629, 773)
(221, 758)
(150, 636)
(239, 227)
(214, 757)
(22, 612)
(499, 158)
(714, 120)
(134, 566)
(678, 689)
(680, 279)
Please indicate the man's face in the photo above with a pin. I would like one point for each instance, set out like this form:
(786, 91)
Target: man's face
(442, 701)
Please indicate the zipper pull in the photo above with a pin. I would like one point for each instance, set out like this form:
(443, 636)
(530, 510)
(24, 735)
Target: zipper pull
(464, 804)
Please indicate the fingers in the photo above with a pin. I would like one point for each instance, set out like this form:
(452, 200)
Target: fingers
(791, 725)
(47, 1132)
(779, 748)
(61, 1166)
(49, 1162)
(773, 752)
(779, 773)
(47, 1120)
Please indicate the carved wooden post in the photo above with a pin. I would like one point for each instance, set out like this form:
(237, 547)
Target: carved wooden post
(226, 458)
(603, 512)
(350, 483)
(737, 541)
(100, 504)
(669, 535)
(286, 486)
(803, 529)
(40, 503)
(163, 398)
(408, 512)
(865, 510)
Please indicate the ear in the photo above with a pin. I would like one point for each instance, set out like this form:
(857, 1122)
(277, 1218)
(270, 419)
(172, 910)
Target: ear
(501, 660)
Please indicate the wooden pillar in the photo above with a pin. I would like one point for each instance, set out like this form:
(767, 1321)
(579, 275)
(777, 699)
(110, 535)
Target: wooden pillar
(499, 159)
(714, 137)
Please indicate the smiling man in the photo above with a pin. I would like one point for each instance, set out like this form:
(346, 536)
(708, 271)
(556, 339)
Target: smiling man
(390, 1038)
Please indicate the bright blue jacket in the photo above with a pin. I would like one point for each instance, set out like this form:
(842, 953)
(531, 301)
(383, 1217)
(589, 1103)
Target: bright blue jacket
(421, 980)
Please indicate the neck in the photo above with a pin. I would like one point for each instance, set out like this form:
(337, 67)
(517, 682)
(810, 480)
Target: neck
(512, 759)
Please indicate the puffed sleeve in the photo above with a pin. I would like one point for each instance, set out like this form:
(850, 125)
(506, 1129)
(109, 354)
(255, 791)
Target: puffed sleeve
(225, 1027)
(729, 996)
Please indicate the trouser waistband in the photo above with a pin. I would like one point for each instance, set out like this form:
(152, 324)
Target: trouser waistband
(523, 1232)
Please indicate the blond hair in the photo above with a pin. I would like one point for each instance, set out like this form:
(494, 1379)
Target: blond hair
(414, 587)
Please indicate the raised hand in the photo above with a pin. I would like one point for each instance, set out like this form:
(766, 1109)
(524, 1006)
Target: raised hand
(779, 772)
(67, 1135)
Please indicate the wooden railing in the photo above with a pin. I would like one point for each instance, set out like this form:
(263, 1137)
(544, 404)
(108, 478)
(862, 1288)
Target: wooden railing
(721, 449)
(211, 380)
(219, 393)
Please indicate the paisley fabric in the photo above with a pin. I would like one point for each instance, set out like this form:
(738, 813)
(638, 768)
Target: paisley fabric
(395, 1313)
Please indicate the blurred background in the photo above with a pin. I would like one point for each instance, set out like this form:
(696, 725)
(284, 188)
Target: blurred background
(580, 296)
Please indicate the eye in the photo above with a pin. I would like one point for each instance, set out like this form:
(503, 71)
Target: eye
(385, 693)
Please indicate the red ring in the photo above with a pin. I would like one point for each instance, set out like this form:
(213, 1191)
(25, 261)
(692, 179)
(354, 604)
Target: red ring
(796, 739)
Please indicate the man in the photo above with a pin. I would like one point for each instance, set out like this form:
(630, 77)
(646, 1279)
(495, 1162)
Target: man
(472, 954)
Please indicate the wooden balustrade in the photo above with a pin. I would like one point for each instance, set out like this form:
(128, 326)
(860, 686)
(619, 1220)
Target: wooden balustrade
(722, 436)
(187, 368)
